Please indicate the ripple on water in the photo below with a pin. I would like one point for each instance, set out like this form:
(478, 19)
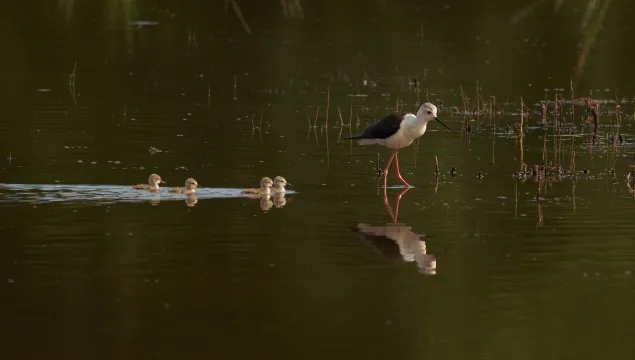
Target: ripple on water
(43, 193)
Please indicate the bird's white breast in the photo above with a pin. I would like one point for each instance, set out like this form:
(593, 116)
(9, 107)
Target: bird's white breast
(412, 128)
(399, 140)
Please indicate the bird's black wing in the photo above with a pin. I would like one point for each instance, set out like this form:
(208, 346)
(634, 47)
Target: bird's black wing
(382, 128)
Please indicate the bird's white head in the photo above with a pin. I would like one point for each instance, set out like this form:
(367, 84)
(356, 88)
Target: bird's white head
(191, 184)
(279, 181)
(155, 179)
(266, 182)
(427, 112)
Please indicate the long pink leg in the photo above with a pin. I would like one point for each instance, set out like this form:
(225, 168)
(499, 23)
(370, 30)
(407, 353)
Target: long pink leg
(388, 166)
(399, 172)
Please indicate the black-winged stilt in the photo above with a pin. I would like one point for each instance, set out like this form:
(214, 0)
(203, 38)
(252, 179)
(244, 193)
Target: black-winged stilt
(396, 131)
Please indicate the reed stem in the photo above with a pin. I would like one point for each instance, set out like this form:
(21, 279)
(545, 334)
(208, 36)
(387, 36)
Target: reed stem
(328, 104)
(71, 83)
(436, 167)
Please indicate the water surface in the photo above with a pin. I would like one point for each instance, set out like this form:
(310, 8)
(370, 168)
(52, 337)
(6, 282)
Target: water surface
(89, 268)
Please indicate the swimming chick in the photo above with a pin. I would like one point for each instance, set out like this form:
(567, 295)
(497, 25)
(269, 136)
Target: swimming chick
(190, 187)
(278, 185)
(265, 187)
(152, 185)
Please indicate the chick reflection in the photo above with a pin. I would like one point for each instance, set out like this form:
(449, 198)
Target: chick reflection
(265, 201)
(279, 200)
(156, 199)
(191, 200)
(268, 201)
(398, 242)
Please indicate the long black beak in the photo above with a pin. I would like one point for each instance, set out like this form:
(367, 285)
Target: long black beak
(442, 123)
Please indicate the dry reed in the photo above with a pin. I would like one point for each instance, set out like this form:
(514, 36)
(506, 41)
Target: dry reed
(522, 123)
(317, 113)
(240, 16)
(555, 111)
(543, 113)
(71, 83)
(572, 108)
(328, 104)
(478, 105)
(436, 166)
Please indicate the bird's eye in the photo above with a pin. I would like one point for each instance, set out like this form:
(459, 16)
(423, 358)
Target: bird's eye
(429, 112)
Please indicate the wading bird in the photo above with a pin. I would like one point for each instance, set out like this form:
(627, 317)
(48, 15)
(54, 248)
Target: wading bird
(396, 131)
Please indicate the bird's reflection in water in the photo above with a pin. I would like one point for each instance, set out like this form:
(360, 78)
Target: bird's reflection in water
(279, 200)
(389, 208)
(397, 241)
(191, 200)
(155, 201)
(267, 201)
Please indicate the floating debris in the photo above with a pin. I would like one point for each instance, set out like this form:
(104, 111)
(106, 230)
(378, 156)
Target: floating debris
(143, 23)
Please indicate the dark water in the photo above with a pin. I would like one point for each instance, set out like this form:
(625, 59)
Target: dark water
(89, 269)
